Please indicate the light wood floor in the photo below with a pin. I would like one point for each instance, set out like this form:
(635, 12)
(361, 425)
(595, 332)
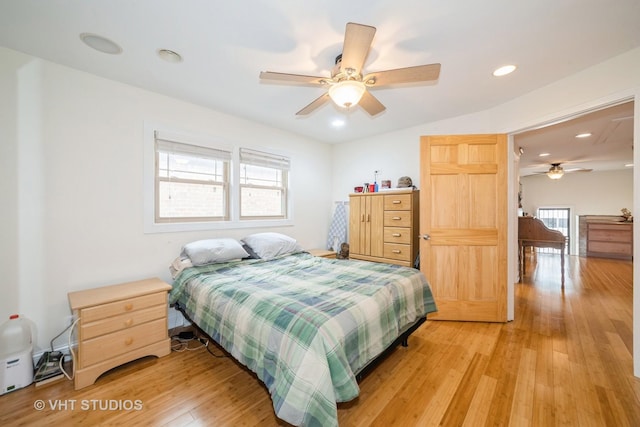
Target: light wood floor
(565, 360)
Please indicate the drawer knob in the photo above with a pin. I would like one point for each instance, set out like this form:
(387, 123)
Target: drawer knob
(396, 202)
(128, 322)
(396, 234)
(128, 306)
(396, 218)
(396, 251)
(128, 341)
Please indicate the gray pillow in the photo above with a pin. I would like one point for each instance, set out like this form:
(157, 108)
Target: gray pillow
(271, 245)
(211, 251)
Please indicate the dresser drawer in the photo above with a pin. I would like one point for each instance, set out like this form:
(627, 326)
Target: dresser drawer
(397, 235)
(397, 251)
(397, 202)
(123, 321)
(108, 346)
(612, 248)
(610, 235)
(397, 219)
(98, 312)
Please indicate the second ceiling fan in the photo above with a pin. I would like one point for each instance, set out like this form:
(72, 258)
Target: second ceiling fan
(348, 85)
(556, 171)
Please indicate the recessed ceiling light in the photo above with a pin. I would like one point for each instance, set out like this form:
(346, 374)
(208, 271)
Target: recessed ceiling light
(338, 123)
(583, 135)
(504, 70)
(169, 55)
(100, 43)
(544, 154)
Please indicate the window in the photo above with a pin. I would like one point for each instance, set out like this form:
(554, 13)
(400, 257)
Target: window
(191, 182)
(197, 182)
(263, 185)
(555, 219)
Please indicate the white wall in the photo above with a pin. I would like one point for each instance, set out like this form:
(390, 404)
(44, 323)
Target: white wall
(72, 161)
(593, 193)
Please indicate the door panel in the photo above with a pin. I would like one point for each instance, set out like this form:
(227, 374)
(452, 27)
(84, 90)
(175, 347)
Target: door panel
(376, 226)
(464, 213)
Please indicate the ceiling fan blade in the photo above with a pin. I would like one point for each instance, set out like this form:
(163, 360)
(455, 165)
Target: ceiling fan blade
(419, 73)
(371, 104)
(357, 41)
(314, 104)
(293, 78)
(578, 170)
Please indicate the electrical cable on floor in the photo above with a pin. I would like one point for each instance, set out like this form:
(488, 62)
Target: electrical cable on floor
(181, 344)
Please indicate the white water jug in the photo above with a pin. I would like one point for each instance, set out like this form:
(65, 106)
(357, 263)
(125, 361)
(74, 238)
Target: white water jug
(16, 353)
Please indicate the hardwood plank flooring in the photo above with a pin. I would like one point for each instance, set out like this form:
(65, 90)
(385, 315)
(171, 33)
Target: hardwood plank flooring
(565, 360)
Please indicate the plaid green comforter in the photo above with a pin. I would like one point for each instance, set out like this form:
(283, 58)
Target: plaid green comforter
(305, 325)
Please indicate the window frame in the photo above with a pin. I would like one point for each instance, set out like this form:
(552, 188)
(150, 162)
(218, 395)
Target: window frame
(175, 147)
(268, 160)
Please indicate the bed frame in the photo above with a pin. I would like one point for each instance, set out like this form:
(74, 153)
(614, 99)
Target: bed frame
(403, 339)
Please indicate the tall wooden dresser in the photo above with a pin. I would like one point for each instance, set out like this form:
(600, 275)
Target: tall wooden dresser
(118, 324)
(383, 227)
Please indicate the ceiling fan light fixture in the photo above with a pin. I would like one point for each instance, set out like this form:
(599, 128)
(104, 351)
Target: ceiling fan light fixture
(347, 93)
(555, 172)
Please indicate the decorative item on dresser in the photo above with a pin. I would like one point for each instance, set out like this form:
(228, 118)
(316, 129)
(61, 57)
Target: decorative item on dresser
(118, 324)
(383, 227)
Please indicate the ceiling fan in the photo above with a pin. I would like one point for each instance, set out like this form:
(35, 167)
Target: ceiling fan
(348, 85)
(556, 171)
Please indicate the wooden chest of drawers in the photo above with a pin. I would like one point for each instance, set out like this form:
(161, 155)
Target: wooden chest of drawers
(610, 239)
(118, 324)
(383, 226)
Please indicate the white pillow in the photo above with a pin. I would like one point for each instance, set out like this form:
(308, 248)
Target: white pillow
(271, 245)
(210, 251)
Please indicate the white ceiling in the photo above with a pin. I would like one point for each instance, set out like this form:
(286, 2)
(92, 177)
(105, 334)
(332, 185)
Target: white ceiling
(609, 147)
(225, 45)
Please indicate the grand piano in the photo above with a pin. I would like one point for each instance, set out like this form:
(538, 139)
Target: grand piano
(532, 232)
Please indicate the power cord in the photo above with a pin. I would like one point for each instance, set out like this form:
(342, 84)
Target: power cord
(73, 356)
(180, 343)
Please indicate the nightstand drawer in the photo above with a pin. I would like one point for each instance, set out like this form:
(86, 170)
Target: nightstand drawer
(107, 346)
(121, 307)
(123, 321)
(398, 252)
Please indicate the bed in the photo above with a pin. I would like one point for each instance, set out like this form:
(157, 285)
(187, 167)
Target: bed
(306, 326)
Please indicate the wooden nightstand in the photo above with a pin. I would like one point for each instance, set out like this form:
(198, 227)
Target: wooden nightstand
(324, 253)
(118, 324)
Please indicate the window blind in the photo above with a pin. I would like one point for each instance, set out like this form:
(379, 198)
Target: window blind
(179, 147)
(259, 158)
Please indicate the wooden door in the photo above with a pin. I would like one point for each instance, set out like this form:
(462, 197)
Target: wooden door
(463, 211)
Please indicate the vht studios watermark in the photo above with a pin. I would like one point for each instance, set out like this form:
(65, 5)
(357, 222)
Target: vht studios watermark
(88, 405)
